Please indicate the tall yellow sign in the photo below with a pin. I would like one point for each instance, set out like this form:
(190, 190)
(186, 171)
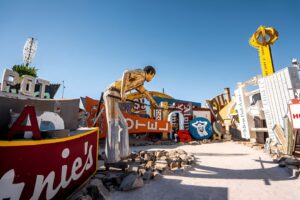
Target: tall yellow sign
(262, 39)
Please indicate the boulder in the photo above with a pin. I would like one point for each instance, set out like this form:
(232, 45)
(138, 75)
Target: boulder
(292, 161)
(180, 151)
(130, 182)
(184, 157)
(147, 176)
(149, 164)
(141, 171)
(167, 171)
(174, 165)
(282, 164)
(157, 175)
(163, 158)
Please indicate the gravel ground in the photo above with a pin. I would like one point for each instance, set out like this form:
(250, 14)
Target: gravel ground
(223, 171)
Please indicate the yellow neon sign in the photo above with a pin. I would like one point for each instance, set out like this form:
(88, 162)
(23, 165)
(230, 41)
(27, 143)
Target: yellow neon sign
(262, 39)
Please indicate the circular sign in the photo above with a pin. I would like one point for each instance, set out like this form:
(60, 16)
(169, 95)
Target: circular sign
(200, 128)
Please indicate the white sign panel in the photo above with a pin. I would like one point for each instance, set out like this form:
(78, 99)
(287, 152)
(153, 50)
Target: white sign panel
(241, 109)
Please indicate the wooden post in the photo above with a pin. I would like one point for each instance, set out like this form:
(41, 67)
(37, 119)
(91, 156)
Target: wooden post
(291, 136)
(165, 113)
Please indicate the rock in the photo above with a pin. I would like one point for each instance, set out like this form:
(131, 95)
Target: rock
(184, 163)
(147, 176)
(149, 164)
(102, 156)
(184, 157)
(174, 165)
(167, 171)
(85, 197)
(133, 156)
(112, 188)
(193, 143)
(163, 158)
(130, 182)
(78, 196)
(292, 161)
(172, 154)
(142, 153)
(158, 154)
(161, 162)
(157, 175)
(160, 166)
(178, 171)
(281, 164)
(293, 171)
(278, 159)
(133, 168)
(141, 171)
(99, 176)
(93, 192)
(186, 167)
(190, 161)
(180, 151)
(146, 157)
(97, 189)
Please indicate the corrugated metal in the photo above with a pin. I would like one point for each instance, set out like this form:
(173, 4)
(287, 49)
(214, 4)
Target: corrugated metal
(276, 92)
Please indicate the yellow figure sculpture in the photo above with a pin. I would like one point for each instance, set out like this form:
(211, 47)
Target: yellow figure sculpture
(262, 39)
(117, 140)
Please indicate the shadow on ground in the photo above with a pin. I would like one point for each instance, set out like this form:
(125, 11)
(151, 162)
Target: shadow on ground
(265, 174)
(161, 190)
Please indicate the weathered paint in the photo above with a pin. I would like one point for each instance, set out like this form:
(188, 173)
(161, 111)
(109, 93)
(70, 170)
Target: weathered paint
(47, 169)
(276, 92)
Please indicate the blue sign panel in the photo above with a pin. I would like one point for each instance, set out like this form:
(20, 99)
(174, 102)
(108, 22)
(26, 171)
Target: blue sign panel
(200, 128)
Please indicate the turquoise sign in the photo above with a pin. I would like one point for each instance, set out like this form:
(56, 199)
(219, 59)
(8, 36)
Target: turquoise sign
(200, 128)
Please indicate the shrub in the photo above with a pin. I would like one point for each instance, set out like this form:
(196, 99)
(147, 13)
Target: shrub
(25, 70)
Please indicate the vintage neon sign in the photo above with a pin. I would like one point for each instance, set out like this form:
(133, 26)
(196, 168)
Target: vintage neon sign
(27, 83)
(186, 109)
(139, 124)
(294, 110)
(54, 170)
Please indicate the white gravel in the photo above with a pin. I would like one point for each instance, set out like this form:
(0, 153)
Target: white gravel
(223, 171)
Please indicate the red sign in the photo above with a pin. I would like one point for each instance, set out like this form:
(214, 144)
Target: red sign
(294, 109)
(187, 111)
(47, 169)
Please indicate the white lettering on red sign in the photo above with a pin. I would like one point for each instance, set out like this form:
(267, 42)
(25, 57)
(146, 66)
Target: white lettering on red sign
(295, 115)
(11, 190)
(136, 124)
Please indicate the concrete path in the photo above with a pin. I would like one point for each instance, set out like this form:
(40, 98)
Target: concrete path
(223, 171)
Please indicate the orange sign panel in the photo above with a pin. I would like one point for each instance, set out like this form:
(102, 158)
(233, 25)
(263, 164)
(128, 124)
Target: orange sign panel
(135, 123)
(141, 125)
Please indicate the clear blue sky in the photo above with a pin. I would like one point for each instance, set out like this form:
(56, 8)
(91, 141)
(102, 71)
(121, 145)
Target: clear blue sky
(197, 46)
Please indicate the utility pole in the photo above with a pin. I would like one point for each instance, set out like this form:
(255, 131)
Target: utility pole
(63, 89)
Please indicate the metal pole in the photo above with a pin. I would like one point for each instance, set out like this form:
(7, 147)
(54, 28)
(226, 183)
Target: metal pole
(63, 89)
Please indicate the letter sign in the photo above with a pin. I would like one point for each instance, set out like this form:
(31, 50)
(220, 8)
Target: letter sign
(294, 109)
